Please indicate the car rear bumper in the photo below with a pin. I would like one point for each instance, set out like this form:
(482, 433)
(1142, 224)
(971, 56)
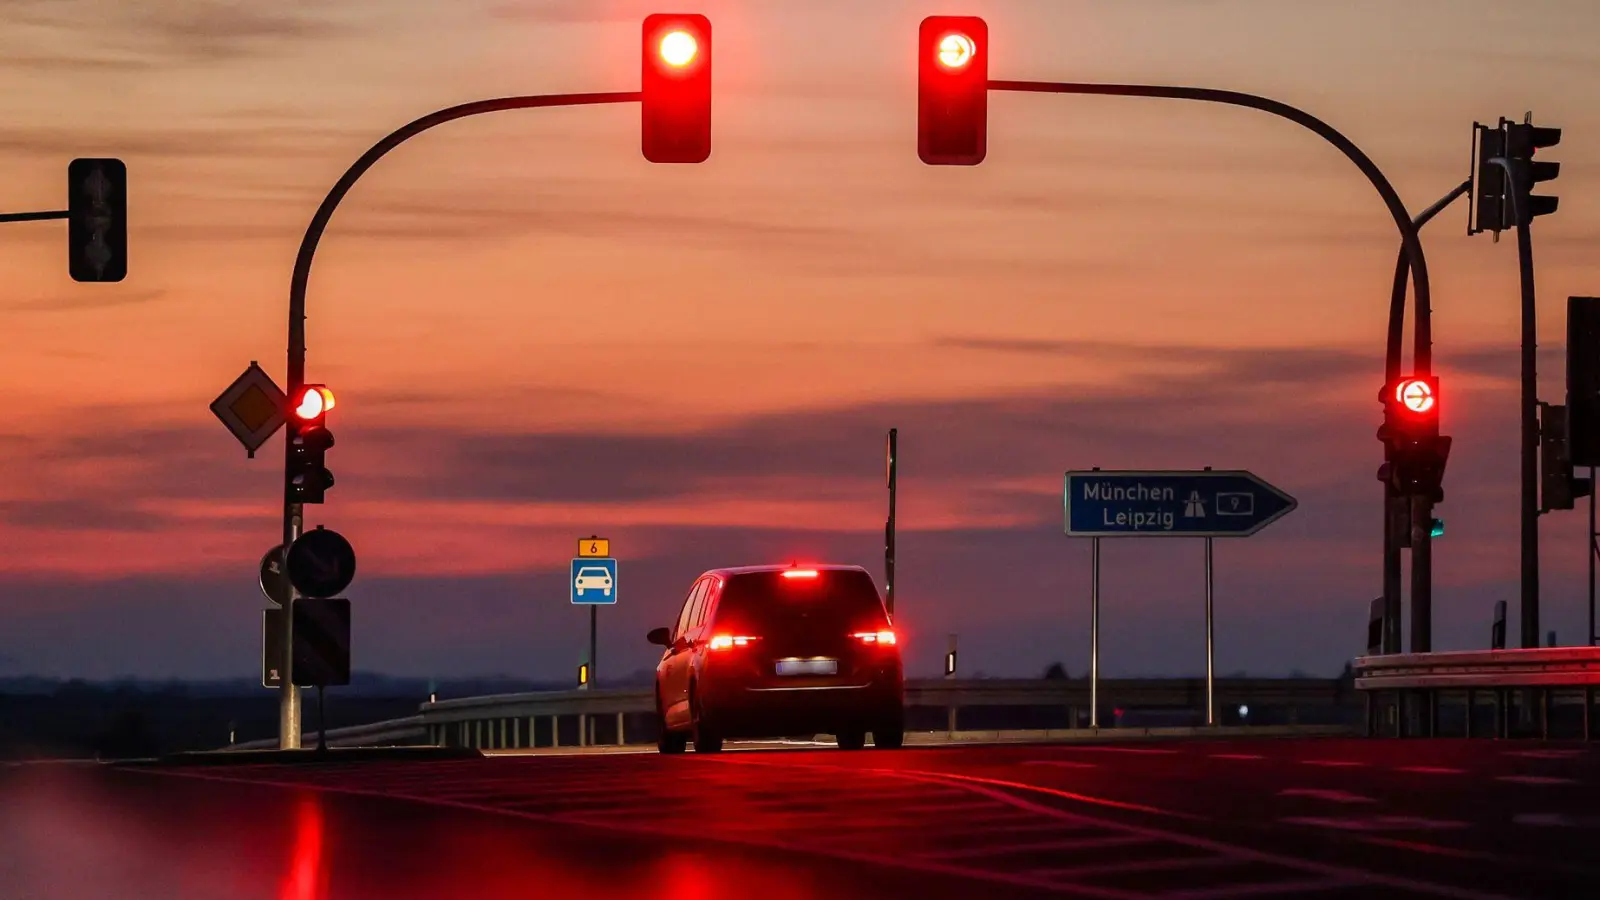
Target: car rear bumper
(745, 710)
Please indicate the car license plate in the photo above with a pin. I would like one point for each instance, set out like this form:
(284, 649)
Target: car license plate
(808, 667)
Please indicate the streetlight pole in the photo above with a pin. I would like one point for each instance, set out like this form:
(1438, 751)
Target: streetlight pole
(289, 696)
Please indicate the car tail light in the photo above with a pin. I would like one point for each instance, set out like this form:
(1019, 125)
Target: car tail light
(800, 573)
(725, 641)
(881, 638)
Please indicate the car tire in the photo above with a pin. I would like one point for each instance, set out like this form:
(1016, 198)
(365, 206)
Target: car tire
(705, 739)
(889, 738)
(670, 741)
(851, 740)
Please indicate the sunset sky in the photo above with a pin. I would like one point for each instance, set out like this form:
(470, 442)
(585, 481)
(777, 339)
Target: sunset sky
(535, 335)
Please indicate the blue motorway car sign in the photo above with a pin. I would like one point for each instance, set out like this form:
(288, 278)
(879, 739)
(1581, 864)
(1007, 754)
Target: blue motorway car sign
(1207, 503)
(594, 580)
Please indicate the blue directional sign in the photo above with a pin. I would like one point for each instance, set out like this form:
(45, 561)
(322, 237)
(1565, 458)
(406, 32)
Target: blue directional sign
(1172, 504)
(594, 580)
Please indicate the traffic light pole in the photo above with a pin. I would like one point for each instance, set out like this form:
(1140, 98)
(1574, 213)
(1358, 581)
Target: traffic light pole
(289, 702)
(1410, 238)
(1415, 513)
(35, 216)
(1411, 253)
(889, 524)
(1522, 212)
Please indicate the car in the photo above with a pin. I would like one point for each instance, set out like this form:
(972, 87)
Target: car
(779, 651)
(592, 578)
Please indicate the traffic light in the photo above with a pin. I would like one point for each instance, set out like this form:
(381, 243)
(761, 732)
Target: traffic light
(1488, 197)
(1583, 380)
(1522, 142)
(309, 440)
(953, 90)
(583, 675)
(97, 219)
(676, 88)
(1561, 488)
(1416, 451)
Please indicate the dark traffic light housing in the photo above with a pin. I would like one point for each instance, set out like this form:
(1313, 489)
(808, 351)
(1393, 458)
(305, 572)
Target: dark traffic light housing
(1502, 196)
(1415, 450)
(309, 440)
(675, 84)
(97, 219)
(1560, 488)
(1583, 380)
(953, 90)
(1522, 142)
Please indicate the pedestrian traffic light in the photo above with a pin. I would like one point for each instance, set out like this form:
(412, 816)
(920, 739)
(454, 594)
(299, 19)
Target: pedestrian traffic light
(952, 90)
(309, 440)
(97, 219)
(1522, 142)
(1416, 451)
(676, 89)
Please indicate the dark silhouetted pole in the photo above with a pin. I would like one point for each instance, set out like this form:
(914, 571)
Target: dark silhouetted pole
(289, 704)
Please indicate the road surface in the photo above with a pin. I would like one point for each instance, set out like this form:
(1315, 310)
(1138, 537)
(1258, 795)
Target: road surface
(1177, 820)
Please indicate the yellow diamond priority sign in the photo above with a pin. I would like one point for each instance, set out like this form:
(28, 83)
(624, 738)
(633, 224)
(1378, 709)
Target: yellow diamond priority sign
(251, 408)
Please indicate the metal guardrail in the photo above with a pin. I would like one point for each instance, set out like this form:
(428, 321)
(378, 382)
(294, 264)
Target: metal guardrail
(537, 718)
(1406, 691)
(1534, 667)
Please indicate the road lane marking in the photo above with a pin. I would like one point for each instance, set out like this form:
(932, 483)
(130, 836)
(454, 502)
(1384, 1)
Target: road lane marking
(1432, 770)
(1358, 877)
(1237, 756)
(1302, 886)
(1334, 763)
(1143, 751)
(1376, 823)
(1544, 754)
(1061, 843)
(1142, 865)
(1534, 779)
(1063, 763)
(1324, 794)
(1556, 820)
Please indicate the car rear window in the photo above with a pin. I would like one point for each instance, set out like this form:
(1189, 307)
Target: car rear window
(834, 601)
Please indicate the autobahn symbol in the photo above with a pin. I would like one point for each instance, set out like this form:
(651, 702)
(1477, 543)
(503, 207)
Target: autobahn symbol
(1206, 503)
(594, 581)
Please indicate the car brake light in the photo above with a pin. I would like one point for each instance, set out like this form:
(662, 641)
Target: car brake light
(875, 637)
(724, 641)
(800, 573)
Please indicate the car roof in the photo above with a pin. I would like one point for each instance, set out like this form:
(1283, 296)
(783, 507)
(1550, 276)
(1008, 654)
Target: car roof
(747, 570)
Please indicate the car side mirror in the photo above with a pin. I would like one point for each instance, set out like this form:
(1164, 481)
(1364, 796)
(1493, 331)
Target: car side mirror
(662, 636)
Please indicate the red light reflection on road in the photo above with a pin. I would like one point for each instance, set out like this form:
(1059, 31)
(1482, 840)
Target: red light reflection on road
(307, 878)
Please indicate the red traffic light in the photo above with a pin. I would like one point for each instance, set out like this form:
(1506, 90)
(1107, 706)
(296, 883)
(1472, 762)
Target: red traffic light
(952, 90)
(312, 403)
(1418, 396)
(675, 88)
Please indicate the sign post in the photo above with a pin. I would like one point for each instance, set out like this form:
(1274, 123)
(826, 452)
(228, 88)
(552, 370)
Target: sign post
(1206, 504)
(593, 582)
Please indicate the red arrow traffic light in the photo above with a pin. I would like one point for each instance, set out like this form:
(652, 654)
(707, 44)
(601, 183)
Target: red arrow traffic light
(676, 88)
(952, 90)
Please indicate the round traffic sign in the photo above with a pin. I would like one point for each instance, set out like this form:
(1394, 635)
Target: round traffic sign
(274, 581)
(321, 563)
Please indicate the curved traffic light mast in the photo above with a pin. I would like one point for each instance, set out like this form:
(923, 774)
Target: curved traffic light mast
(675, 127)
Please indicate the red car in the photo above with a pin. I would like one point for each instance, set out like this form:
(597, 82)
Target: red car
(780, 651)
